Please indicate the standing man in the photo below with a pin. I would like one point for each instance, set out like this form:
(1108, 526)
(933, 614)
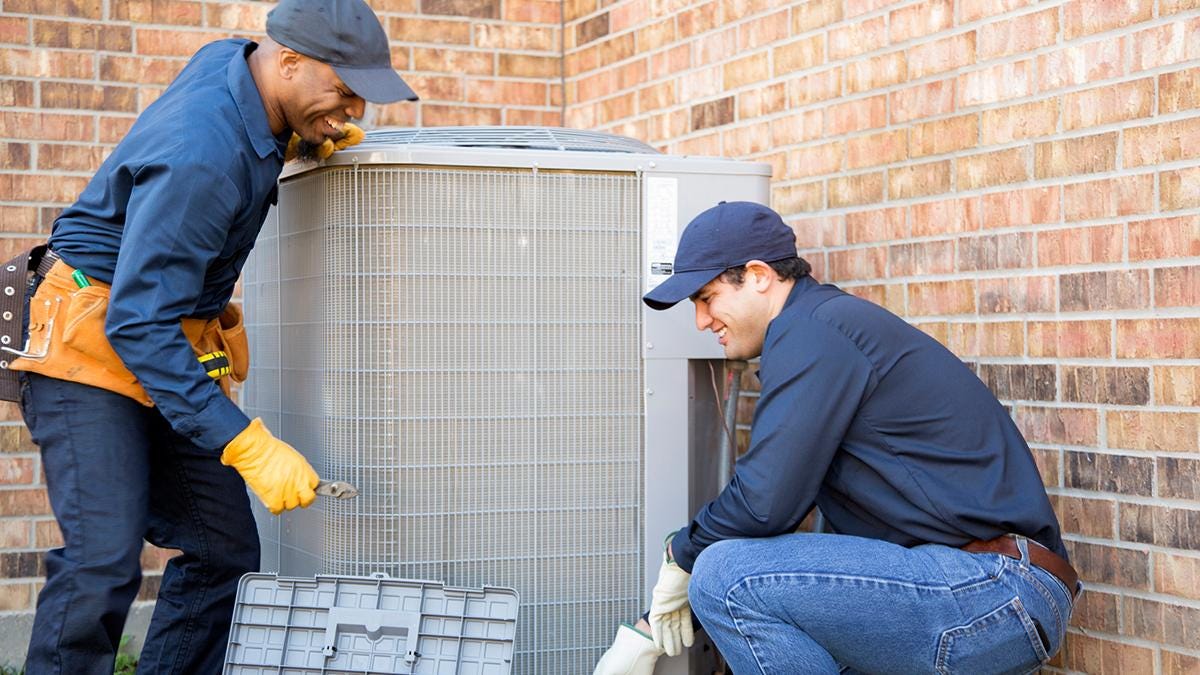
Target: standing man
(946, 555)
(131, 342)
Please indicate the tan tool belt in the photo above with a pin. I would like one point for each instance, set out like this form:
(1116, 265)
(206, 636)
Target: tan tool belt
(67, 340)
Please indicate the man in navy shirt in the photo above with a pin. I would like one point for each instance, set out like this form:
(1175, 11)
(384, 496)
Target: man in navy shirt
(137, 437)
(944, 553)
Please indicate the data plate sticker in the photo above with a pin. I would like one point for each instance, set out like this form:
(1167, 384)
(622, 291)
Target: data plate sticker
(662, 228)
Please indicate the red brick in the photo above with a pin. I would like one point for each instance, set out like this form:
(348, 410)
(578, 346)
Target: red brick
(945, 217)
(1085, 17)
(1024, 33)
(876, 225)
(857, 38)
(139, 70)
(572, 10)
(702, 83)
(14, 156)
(813, 14)
(14, 30)
(1167, 7)
(941, 298)
(972, 10)
(863, 188)
(616, 108)
(1158, 338)
(1179, 90)
(1025, 120)
(74, 96)
(30, 502)
(923, 100)
(815, 160)
(1161, 143)
(1108, 104)
(75, 35)
(992, 168)
(1163, 45)
(995, 83)
(944, 135)
(437, 87)
(16, 94)
(1110, 197)
(748, 70)
(1164, 238)
(801, 54)
(46, 126)
(921, 258)
(857, 264)
(18, 219)
(1174, 663)
(159, 11)
(764, 30)
(520, 37)
(1072, 156)
(461, 62)
(1017, 295)
(16, 470)
(875, 149)
(1177, 286)
(766, 101)
(45, 63)
(919, 180)
(950, 53)
(425, 31)
(919, 20)
(457, 115)
(657, 35)
(671, 61)
(1059, 426)
(1032, 206)
(858, 115)
(1098, 656)
(1116, 290)
(1092, 384)
(1066, 339)
(745, 141)
(716, 47)
(1177, 385)
(1004, 251)
(1124, 567)
(875, 73)
(1162, 622)
(16, 597)
(545, 118)
(938, 330)
(1080, 245)
(242, 17)
(819, 232)
(1177, 575)
(803, 198)
(113, 129)
(815, 88)
(1093, 611)
(1088, 517)
(76, 9)
(156, 42)
(1097, 60)
(796, 128)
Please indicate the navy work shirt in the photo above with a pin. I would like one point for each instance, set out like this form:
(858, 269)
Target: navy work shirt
(169, 219)
(881, 427)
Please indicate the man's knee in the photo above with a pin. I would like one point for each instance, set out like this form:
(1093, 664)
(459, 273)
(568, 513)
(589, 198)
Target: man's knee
(716, 570)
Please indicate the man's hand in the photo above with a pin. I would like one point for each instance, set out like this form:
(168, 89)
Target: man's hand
(631, 653)
(279, 475)
(670, 613)
(351, 135)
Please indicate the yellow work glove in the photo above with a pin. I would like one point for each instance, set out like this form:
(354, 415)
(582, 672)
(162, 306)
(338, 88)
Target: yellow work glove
(279, 475)
(632, 653)
(670, 614)
(351, 135)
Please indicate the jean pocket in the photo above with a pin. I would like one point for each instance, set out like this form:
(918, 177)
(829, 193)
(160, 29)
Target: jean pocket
(1005, 640)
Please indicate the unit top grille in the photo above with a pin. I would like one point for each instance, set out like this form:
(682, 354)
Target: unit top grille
(527, 138)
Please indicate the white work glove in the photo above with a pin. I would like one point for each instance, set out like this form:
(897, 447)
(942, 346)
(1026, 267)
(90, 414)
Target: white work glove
(632, 653)
(670, 614)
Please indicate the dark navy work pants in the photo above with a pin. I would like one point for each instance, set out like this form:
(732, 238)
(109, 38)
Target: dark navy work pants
(116, 474)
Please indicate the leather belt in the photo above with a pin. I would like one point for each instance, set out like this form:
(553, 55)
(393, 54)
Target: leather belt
(14, 277)
(47, 262)
(1038, 555)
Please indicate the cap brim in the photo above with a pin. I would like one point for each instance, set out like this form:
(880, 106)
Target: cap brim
(377, 85)
(678, 287)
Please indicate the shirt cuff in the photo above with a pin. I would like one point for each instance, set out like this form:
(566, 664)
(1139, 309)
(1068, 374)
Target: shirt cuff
(684, 551)
(214, 425)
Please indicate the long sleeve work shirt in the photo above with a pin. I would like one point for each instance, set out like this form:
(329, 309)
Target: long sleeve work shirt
(884, 429)
(168, 221)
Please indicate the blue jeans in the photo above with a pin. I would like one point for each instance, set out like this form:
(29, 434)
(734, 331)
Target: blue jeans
(116, 473)
(823, 603)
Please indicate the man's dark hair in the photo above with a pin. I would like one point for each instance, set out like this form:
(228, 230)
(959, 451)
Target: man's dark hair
(788, 268)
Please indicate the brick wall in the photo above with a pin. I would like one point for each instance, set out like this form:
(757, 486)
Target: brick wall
(1019, 179)
(74, 74)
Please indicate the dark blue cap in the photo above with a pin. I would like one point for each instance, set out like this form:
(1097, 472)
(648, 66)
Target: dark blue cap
(347, 35)
(727, 235)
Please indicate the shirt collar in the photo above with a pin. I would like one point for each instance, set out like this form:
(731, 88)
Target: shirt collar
(250, 104)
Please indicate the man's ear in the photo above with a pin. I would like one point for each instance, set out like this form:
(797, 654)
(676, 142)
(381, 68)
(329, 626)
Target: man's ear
(288, 62)
(759, 275)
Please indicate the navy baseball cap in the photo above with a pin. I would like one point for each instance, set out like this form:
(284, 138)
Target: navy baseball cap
(347, 35)
(727, 235)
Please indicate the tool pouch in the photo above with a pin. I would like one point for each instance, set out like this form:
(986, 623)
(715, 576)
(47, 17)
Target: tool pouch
(67, 339)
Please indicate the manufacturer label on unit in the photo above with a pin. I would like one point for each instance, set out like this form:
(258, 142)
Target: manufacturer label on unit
(662, 228)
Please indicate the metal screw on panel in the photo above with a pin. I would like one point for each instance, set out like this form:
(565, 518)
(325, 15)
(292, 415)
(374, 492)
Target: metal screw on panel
(649, 345)
(649, 392)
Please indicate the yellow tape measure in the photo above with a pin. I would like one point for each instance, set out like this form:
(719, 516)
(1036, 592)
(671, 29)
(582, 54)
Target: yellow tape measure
(215, 363)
